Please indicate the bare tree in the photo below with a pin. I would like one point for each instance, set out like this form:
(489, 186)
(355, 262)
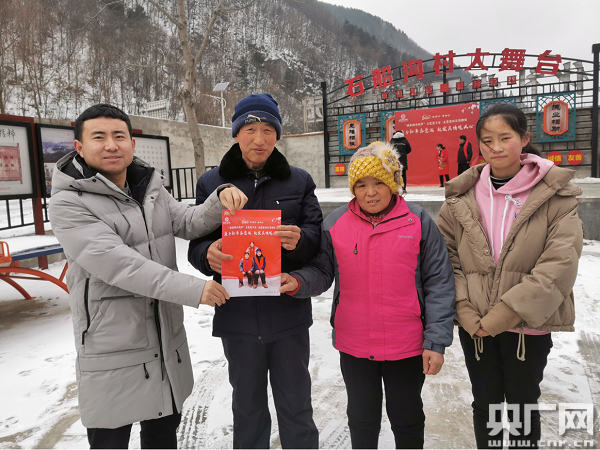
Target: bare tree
(192, 66)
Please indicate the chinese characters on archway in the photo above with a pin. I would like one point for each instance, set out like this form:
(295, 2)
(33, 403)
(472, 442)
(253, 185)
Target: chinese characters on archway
(511, 59)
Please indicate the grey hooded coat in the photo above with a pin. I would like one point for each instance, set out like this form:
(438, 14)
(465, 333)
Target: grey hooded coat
(126, 295)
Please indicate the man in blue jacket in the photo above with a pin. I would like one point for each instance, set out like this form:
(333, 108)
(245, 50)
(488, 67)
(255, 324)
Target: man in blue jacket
(265, 336)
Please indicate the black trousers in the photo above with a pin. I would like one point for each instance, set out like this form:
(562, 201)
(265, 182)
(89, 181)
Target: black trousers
(285, 363)
(442, 179)
(403, 380)
(404, 178)
(499, 376)
(462, 167)
(155, 433)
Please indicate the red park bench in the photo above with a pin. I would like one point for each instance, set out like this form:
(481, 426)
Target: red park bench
(14, 272)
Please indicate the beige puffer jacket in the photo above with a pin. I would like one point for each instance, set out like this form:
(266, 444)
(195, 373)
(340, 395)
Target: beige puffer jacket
(532, 284)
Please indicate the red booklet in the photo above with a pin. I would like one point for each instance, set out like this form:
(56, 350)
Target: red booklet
(256, 265)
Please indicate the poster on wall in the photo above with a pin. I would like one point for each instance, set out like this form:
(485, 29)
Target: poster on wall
(352, 133)
(256, 265)
(54, 142)
(155, 150)
(17, 176)
(425, 128)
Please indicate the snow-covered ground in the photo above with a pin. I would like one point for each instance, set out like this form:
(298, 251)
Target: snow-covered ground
(38, 393)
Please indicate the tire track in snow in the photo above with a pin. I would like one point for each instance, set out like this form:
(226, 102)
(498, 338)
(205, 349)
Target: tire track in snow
(192, 432)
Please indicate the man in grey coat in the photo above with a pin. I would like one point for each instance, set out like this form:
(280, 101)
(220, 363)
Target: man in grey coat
(117, 225)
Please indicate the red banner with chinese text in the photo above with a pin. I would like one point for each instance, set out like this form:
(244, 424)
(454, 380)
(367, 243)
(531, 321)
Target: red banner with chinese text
(425, 128)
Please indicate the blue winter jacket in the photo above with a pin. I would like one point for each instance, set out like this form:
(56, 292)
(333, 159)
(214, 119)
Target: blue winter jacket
(282, 187)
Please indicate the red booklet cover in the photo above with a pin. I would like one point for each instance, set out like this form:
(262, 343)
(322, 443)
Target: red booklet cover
(256, 265)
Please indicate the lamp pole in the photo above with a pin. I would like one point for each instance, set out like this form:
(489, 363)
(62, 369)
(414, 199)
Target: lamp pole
(222, 110)
(220, 87)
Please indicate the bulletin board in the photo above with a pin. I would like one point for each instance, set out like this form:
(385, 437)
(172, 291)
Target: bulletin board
(155, 150)
(54, 142)
(17, 163)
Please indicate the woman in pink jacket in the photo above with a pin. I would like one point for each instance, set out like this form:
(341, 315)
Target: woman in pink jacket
(393, 301)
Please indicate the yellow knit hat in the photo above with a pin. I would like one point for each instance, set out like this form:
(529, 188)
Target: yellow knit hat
(378, 160)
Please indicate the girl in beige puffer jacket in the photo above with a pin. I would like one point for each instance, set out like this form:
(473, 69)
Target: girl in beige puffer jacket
(514, 239)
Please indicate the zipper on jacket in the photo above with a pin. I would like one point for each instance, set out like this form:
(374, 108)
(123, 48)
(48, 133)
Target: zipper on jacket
(356, 248)
(157, 323)
(146, 225)
(156, 314)
(156, 317)
(87, 310)
(146, 374)
(178, 357)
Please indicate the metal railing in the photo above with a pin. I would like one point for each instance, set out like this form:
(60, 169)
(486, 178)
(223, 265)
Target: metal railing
(184, 182)
(19, 213)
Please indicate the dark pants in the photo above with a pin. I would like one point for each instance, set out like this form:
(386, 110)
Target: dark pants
(285, 363)
(247, 275)
(155, 433)
(462, 167)
(499, 376)
(262, 278)
(442, 179)
(403, 380)
(403, 178)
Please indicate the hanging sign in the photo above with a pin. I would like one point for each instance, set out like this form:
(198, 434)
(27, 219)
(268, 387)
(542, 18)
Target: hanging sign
(352, 132)
(556, 118)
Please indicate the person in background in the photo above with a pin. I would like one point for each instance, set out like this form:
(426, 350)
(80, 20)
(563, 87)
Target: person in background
(246, 270)
(515, 239)
(402, 146)
(393, 305)
(265, 338)
(465, 153)
(442, 160)
(117, 225)
(251, 250)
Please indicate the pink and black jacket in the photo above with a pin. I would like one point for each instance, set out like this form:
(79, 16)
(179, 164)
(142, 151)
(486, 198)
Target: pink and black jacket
(394, 283)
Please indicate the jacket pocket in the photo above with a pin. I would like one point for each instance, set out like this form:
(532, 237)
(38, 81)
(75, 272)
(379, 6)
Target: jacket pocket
(421, 308)
(289, 206)
(86, 306)
(176, 313)
(334, 306)
(119, 324)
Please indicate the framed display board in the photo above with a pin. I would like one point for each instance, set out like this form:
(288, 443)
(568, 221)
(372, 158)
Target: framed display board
(54, 142)
(17, 163)
(155, 150)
